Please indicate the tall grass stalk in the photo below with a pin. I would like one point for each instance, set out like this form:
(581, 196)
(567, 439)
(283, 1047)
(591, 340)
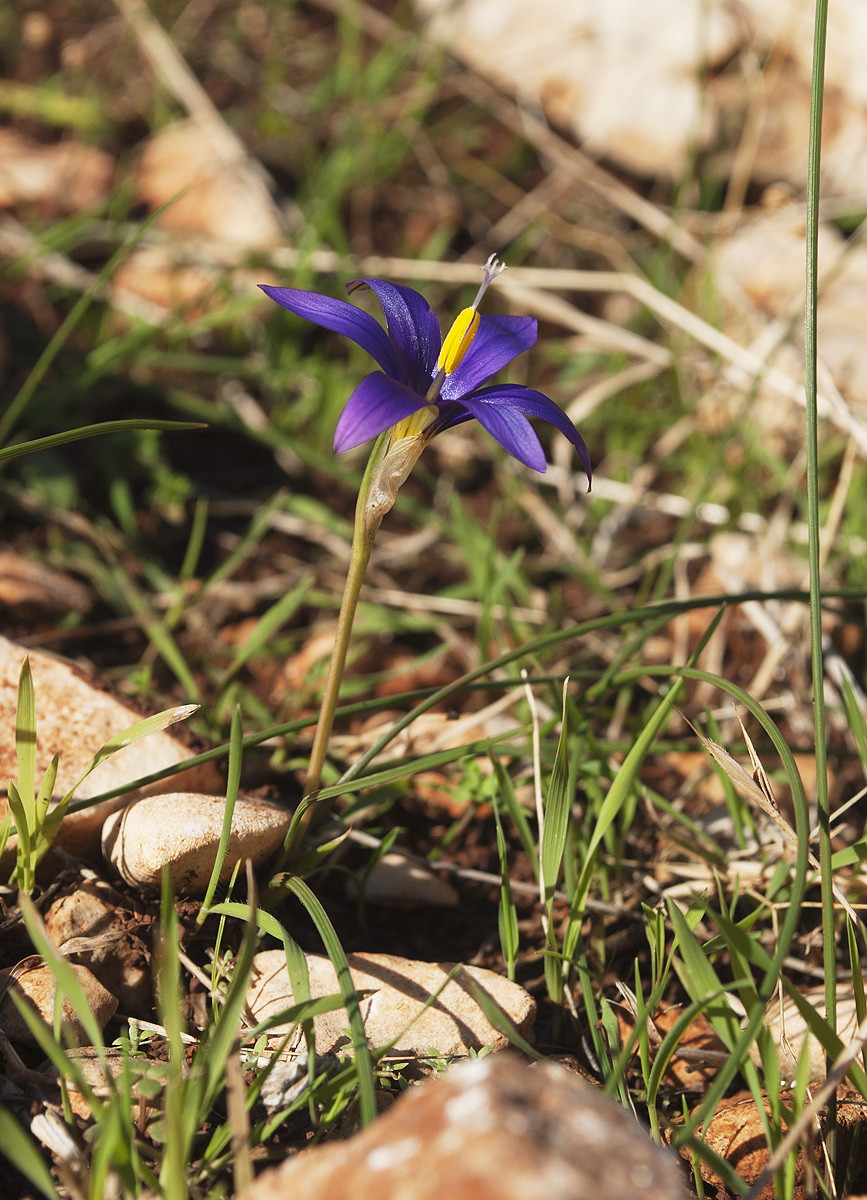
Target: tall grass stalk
(812, 446)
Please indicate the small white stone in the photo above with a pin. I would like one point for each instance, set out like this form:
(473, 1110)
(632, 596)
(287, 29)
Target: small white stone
(182, 832)
(38, 988)
(789, 1031)
(75, 717)
(397, 989)
(398, 881)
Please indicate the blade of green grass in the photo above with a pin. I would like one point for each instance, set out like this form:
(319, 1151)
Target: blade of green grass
(23, 1152)
(73, 317)
(89, 431)
(811, 301)
(233, 781)
(25, 743)
(429, 697)
(334, 950)
(507, 916)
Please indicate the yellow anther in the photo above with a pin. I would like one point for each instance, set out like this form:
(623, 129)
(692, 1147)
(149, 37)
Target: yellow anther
(458, 340)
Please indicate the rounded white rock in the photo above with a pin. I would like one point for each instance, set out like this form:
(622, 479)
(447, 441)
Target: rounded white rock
(398, 880)
(181, 830)
(36, 985)
(396, 1003)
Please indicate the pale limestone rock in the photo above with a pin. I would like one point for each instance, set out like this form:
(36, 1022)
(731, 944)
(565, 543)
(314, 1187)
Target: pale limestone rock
(789, 28)
(759, 270)
(645, 85)
(61, 178)
(24, 581)
(398, 881)
(789, 1031)
(626, 76)
(76, 718)
(98, 1066)
(398, 988)
(182, 830)
(38, 988)
(224, 196)
(490, 1129)
(94, 923)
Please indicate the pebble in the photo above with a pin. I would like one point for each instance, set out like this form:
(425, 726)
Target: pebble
(94, 922)
(737, 1133)
(398, 987)
(789, 1031)
(38, 988)
(398, 881)
(489, 1129)
(75, 717)
(97, 1066)
(182, 831)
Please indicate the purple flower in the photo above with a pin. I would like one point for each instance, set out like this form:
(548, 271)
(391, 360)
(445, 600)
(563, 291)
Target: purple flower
(418, 371)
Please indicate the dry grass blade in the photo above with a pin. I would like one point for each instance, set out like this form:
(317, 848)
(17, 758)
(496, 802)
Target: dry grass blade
(180, 81)
(757, 788)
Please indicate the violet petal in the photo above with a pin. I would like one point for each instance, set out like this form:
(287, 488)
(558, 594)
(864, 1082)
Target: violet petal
(376, 404)
(498, 340)
(511, 429)
(340, 317)
(534, 404)
(413, 329)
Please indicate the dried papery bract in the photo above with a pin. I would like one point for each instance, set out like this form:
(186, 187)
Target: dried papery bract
(388, 477)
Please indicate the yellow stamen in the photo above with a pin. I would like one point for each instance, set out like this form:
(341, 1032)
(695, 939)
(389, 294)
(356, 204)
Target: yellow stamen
(458, 340)
(413, 425)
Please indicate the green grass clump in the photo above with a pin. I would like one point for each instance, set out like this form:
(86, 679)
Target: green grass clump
(179, 466)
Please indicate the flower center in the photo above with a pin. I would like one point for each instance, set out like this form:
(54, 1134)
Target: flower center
(462, 333)
(412, 426)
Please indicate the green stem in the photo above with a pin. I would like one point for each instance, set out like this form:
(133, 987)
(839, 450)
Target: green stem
(829, 944)
(363, 537)
(812, 447)
(348, 605)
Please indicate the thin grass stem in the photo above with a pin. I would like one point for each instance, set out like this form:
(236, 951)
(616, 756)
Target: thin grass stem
(829, 948)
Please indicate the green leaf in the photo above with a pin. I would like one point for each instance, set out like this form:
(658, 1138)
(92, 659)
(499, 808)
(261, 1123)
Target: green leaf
(23, 873)
(5, 830)
(558, 809)
(224, 1033)
(507, 915)
(46, 791)
(176, 1153)
(134, 733)
(701, 980)
(25, 743)
(857, 724)
(516, 812)
(23, 1152)
(233, 782)
(89, 431)
(501, 1022)
(297, 1014)
(615, 799)
(411, 766)
(334, 950)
